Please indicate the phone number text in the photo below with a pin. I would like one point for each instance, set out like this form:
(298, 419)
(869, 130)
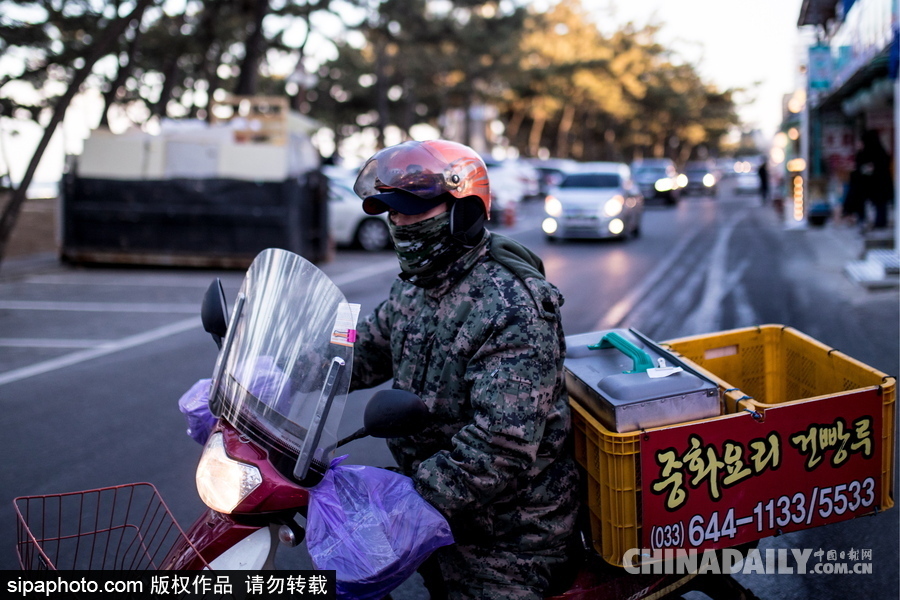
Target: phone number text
(767, 517)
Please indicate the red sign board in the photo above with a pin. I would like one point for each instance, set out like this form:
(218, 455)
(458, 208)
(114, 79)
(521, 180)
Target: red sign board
(740, 478)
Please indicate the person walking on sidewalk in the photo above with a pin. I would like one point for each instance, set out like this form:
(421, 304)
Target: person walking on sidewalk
(870, 181)
(763, 173)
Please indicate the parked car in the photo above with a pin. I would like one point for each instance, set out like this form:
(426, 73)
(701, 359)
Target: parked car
(529, 177)
(600, 201)
(658, 178)
(507, 190)
(349, 225)
(701, 178)
(551, 171)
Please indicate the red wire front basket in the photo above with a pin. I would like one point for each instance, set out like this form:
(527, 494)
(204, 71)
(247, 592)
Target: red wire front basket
(126, 527)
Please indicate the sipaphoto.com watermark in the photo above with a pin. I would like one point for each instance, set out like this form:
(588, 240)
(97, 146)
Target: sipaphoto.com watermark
(769, 561)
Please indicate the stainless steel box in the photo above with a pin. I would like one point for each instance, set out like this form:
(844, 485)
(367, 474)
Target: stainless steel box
(614, 382)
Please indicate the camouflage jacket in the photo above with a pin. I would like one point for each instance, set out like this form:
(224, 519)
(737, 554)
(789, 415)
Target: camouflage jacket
(484, 349)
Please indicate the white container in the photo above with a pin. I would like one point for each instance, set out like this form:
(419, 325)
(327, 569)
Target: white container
(130, 156)
(253, 162)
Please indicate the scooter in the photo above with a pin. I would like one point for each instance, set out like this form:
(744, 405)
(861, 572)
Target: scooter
(277, 394)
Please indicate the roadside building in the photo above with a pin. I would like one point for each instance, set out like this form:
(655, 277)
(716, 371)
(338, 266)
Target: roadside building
(851, 89)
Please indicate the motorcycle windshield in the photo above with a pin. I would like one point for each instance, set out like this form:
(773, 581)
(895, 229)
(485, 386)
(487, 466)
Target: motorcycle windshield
(283, 373)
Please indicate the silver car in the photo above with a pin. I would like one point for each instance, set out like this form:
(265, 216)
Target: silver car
(597, 201)
(349, 225)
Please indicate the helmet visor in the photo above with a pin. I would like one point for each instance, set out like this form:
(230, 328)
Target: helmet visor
(398, 200)
(418, 169)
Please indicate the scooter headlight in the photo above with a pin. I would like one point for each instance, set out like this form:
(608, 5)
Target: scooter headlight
(223, 482)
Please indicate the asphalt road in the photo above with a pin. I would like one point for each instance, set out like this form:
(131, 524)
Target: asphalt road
(93, 360)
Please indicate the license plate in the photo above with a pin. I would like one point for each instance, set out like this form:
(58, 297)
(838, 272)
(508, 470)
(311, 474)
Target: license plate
(581, 222)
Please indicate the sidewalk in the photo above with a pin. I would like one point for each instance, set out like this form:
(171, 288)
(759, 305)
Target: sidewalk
(866, 259)
(32, 246)
(21, 266)
(878, 265)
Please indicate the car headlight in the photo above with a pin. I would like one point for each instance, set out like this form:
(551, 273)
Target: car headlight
(549, 226)
(709, 180)
(681, 180)
(663, 185)
(552, 206)
(613, 206)
(223, 482)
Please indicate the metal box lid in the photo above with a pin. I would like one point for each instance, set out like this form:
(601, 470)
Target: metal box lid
(629, 383)
(628, 388)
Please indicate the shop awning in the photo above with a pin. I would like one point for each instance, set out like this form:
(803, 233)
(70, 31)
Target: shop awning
(877, 68)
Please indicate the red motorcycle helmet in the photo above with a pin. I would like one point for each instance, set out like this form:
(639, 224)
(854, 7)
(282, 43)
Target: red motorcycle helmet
(422, 172)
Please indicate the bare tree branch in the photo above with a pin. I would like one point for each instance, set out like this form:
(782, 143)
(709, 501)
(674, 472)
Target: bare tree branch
(102, 47)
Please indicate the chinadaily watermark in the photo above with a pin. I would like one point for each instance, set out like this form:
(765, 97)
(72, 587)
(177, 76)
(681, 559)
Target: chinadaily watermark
(769, 561)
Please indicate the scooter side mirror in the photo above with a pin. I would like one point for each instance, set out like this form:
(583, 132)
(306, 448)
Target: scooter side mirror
(214, 312)
(391, 413)
(394, 413)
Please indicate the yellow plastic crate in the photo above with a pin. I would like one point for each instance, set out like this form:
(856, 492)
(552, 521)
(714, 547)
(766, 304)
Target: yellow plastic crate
(774, 364)
(755, 367)
(611, 461)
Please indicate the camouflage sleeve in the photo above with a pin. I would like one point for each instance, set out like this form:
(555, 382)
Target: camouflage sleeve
(512, 383)
(372, 363)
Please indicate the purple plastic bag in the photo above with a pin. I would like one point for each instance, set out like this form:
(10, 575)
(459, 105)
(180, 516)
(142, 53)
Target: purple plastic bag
(372, 528)
(194, 404)
(268, 383)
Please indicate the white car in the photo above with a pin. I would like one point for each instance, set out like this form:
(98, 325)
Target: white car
(529, 178)
(507, 190)
(598, 201)
(349, 225)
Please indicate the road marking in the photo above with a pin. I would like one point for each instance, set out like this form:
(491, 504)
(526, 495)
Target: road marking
(122, 280)
(676, 293)
(234, 279)
(108, 348)
(49, 343)
(717, 284)
(719, 281)
(744, 312)
(96, 349)
(615, 315)
(124, 307)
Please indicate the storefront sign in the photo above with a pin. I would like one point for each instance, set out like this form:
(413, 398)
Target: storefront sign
(728, 481)
(820, 67)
